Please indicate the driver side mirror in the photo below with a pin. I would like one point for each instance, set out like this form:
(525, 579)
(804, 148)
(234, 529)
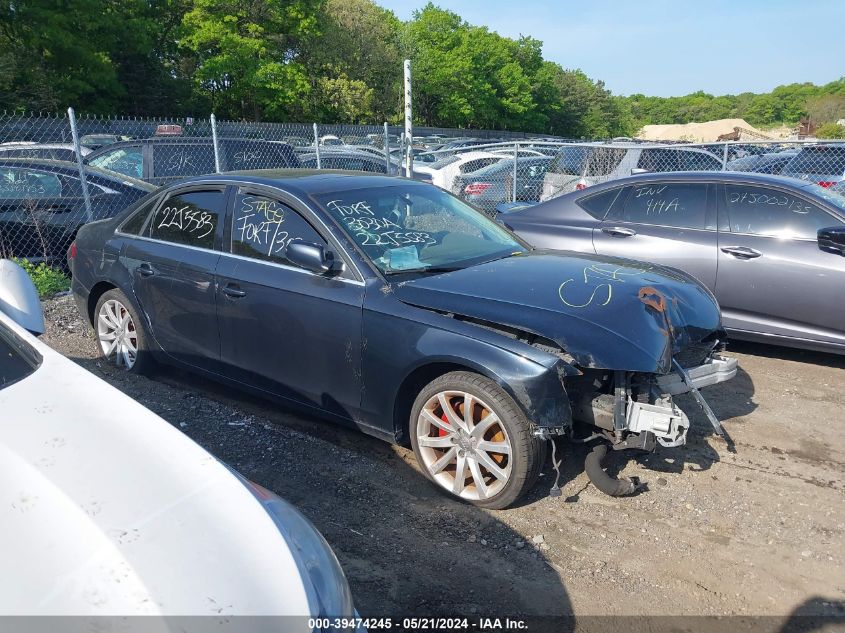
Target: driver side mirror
(832, 240)
(313, 257)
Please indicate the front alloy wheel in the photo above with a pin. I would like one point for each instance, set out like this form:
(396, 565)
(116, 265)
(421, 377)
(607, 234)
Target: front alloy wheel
(464, 445)
(472, 440)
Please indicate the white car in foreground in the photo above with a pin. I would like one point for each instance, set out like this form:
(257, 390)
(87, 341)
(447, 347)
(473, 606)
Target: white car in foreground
(106, 509)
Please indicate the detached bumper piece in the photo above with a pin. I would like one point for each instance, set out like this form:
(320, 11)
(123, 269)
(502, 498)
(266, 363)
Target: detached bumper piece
(715, 370)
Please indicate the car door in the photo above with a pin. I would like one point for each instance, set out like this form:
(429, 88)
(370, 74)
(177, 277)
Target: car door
(772, 278)
(284, 329)
(672, 223)
(172, 264)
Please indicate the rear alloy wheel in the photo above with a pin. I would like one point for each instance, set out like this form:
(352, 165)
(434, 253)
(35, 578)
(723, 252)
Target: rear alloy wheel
(473, 441)
(119, 333)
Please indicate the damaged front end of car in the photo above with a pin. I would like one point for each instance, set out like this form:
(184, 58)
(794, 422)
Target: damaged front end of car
(630, 337)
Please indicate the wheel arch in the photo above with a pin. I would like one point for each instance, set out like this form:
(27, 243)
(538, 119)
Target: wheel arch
(99, 289)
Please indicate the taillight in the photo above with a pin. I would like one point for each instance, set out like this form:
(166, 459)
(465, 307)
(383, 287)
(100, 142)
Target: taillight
(475, 188)
(73, 250)
(582, 184)
(827, 183)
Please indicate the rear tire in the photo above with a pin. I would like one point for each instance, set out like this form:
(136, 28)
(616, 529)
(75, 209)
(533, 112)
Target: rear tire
(120, 332)
(473, 441)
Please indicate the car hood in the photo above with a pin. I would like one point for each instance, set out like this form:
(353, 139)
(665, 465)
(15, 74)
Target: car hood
(109, 510)
(605, 312)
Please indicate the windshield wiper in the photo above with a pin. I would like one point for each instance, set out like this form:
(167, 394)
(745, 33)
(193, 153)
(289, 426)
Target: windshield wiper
(423, 269)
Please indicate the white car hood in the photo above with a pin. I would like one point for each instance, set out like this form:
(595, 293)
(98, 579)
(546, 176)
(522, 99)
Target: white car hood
(106, 509)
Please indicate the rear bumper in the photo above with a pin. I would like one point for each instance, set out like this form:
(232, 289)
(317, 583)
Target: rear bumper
(713, 371)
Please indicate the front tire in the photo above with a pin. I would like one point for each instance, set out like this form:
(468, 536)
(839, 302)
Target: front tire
(473, 441)
(120, 333)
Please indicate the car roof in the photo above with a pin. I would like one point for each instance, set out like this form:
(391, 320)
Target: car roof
(703, 176)
(307, 181)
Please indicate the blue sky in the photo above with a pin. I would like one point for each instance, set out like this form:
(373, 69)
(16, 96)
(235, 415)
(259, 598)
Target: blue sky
(664, 48)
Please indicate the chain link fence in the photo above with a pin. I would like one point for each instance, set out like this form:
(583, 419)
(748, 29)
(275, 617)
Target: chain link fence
(53, 180)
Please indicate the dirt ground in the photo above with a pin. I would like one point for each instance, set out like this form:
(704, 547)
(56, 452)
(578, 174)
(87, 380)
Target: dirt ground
(752, 532)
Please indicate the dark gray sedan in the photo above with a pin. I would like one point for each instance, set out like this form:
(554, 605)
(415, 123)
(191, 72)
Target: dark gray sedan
(771, 249)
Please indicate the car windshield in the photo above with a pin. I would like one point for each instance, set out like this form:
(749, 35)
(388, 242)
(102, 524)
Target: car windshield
(419, 229)
(17, 359)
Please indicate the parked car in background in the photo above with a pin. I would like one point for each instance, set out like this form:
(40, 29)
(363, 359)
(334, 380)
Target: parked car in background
(822, 164)
(161, 160)
(769, 163)
(445, 171)
(42, 204)
(392, 306)
(769, 248)
(109, 510)
(330, 139)
(48, 151)
(348, 159)
(579, 166)
(490, 186)
(95, 141)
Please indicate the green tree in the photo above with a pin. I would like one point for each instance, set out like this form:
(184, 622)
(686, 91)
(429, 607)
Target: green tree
(58, 54)
(830, 130)
(247, 54)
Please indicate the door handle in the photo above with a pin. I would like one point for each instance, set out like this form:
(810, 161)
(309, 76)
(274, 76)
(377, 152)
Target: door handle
(233, 291)
(618, 231)
(146, 270)
(741, 252)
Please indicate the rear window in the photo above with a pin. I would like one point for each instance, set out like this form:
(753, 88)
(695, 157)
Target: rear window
(818, 160)
(173, 160)
(442, 162)
(22, 184)
(661, 160)
(570, 160)
(599, 204)
(252, 155)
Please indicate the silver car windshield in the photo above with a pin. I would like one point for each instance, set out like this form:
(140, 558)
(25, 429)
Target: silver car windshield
(417, 228)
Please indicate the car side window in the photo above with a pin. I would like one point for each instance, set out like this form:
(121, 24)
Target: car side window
(680, 205)
(262, 227)
(136, 221)
(189, 218)
(597, 205)
(774, 213)
(22, 184)
(175, 159)
(128, 161)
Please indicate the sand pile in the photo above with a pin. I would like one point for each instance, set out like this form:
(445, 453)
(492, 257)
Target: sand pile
(698, 132)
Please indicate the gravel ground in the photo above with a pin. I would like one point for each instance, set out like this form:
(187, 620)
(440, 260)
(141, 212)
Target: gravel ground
(751, 532)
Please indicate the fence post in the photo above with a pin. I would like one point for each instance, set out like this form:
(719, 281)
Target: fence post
(78, 150)
(386, 150)
(409, 131)
(214, 143)
(317, 146)
(725, 156)
(515, 156)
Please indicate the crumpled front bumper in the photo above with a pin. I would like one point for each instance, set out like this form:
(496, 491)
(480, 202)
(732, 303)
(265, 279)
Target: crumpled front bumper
(714, 370)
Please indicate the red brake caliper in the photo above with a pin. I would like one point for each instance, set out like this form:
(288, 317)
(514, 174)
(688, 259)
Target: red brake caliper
(442, 432)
